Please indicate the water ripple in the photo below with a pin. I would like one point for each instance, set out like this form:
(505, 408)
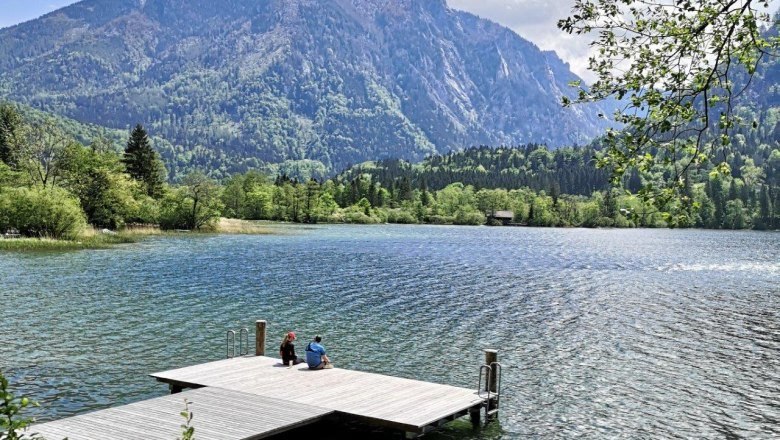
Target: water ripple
(603, 333)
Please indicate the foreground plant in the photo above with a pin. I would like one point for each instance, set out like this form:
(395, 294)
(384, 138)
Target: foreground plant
(12, 424)
(187, 430)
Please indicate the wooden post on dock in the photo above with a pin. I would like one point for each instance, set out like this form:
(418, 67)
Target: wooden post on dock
(260, 338)
(490, 385)
(490, 357)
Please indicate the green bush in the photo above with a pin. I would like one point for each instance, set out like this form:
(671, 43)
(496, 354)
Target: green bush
(469, 218)
(400, 216)
(146, 210)
(39, 212)
(175, 212)
(441, 219)
(359, 217)
(12, 421)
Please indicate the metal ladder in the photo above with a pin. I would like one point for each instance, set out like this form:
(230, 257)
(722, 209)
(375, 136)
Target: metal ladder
(488, 372)
(243, 343)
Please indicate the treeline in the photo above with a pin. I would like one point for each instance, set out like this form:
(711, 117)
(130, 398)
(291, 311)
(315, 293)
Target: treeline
(533, 166)
(53, 186)
(747, 196)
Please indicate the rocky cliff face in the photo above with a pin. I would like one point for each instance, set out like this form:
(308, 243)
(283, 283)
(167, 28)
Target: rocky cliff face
(237, 83)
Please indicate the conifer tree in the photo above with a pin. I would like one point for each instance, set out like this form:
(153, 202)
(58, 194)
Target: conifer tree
(142, 162)
(10, 120)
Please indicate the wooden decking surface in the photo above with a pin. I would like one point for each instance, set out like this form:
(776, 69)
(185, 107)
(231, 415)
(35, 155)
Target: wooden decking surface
(404, 404)
(218, 414)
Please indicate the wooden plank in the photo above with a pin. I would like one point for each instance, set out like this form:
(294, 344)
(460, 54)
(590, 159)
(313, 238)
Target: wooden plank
(218, 414)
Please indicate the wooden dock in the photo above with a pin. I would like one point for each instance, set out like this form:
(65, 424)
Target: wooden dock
(404, 404)
(219, 414)
(253, 397)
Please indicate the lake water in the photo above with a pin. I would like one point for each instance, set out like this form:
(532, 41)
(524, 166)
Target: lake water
(603, 333)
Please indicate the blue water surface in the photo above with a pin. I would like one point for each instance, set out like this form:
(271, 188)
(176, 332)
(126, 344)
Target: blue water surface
(603, 333)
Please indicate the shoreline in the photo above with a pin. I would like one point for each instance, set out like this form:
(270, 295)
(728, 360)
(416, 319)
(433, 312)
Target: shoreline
(92, 239)
(95, 239)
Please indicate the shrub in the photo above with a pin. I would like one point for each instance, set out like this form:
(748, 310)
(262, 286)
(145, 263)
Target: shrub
(469, 218)
(12, 423)
(39, 212)
(359, 217)
(400, 216)
(441, 219)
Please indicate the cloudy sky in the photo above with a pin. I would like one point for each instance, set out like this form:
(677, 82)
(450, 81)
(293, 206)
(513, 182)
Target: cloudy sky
(534, 20)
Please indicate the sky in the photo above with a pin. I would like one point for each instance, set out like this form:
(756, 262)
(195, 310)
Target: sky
(534, 20)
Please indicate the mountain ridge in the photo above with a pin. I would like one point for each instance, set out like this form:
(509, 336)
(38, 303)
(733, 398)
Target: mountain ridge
(240, 84)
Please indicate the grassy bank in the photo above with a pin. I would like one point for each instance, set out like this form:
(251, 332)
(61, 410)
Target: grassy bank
(95, 239)
(101, 241)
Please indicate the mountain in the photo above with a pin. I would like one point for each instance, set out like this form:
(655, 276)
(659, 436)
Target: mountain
(236, 84)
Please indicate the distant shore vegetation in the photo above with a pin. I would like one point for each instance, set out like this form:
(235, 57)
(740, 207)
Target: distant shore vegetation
(53, 188)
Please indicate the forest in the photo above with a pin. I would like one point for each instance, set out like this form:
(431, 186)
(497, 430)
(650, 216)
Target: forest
(54, 186)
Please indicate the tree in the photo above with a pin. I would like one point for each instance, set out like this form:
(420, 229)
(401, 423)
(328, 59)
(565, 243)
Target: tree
(10, 124)
(204, 194)
(765, 209)
(234, 197)
(143, 164)
(312, 194)
(674, 65)
(43, 152)
(195, 205)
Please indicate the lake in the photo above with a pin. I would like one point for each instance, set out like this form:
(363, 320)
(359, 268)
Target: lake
(602, 333)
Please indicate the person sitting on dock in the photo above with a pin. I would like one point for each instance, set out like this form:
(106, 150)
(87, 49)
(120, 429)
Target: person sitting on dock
(287, 350)
(315, 355)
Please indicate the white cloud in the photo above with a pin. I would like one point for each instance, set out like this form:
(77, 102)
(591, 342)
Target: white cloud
(536, 21)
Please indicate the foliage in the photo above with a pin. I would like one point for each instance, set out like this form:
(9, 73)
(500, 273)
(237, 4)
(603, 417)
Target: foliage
(542, 187)
(188, 431)
(41, 212)
(12, 424)
(41, 152)
(195, 205)
(10, 122)
(678, 67)
(108, 196)
(96, 241)
(143, 164)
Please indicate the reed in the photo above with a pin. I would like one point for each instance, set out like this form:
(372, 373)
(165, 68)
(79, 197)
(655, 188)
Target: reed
(99, 241)
(91, 238)
(236, 226)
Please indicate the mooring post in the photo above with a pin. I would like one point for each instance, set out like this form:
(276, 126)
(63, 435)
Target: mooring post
(260, 338)
(490, 385)
(490, 357)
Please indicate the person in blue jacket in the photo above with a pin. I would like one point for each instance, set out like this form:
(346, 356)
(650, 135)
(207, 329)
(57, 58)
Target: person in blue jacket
(316, 356)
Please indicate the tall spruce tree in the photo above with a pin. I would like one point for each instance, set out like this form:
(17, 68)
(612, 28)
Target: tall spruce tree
(10, 121)
(142, 162)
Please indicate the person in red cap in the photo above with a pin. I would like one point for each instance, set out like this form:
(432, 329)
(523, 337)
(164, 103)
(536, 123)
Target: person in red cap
(287, 350)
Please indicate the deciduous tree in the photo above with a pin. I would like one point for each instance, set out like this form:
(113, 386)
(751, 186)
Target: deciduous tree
(678, 66)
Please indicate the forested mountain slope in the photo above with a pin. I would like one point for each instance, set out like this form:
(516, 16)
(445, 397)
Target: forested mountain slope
(235, 84)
